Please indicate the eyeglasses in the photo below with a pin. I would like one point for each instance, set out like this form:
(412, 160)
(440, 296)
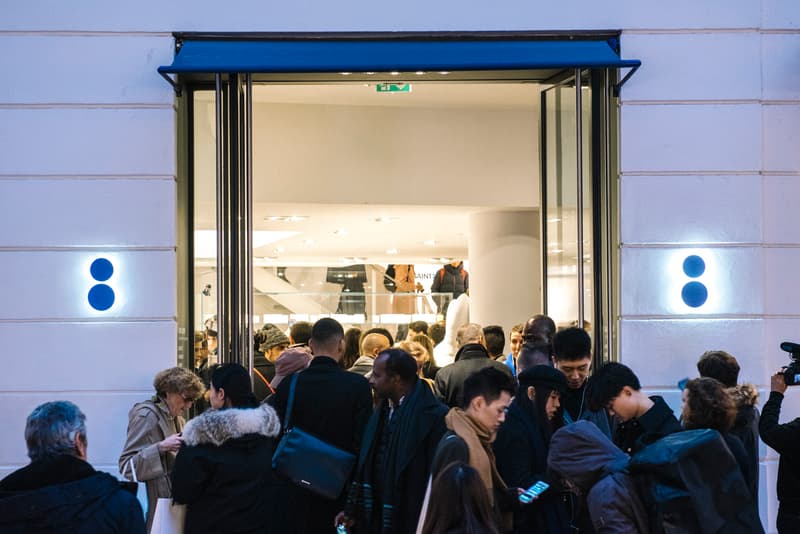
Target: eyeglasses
(188, 399)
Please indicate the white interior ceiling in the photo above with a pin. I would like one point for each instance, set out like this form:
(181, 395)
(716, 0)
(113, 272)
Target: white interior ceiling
(417, 228)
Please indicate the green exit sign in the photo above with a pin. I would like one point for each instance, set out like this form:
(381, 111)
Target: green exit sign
(393, 87)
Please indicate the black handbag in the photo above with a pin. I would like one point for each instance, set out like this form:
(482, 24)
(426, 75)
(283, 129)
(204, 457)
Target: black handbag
(308, 461)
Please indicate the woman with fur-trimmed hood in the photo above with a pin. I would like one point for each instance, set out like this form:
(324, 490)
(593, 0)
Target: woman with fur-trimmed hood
(725, 368)
(224, 471)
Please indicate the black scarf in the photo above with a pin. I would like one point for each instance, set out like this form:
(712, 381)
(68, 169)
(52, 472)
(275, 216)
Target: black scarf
(398, 452)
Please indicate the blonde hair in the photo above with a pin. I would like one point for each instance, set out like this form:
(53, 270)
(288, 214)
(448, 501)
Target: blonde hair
(411, 347)
(178, 380)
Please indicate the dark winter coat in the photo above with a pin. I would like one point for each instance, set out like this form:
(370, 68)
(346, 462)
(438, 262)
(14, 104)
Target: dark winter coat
(583, 455)
(520, 452)
(654, 424)
(785, 439)
(451, 279)
(746, 427)
(575, 407)
(450, 379)
(224, 473)
(419, 424)
(740, 455)
(334, 405)
(691, 483)
(267, 369)
(65, 494)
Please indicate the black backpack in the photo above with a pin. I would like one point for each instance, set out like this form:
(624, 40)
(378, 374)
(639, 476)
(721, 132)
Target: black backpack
(691, 483)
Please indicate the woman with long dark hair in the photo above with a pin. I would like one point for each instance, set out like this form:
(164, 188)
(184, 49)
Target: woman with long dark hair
(459, 503)
(523, 442)
(224, 473)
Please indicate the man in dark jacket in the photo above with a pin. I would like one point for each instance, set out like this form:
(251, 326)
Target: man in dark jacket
(472, 356)
(59, 491)
(643, 419)
(722, 366)
(453, 279)
(785, 439)
(397, 451)
(333, 405)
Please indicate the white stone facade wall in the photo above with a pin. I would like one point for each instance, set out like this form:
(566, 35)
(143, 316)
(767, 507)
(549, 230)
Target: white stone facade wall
(709, 154)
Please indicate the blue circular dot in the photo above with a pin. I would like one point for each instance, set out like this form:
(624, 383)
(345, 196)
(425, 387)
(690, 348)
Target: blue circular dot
(694, 266)
(694, 294)
(101, 269)
(101, 297)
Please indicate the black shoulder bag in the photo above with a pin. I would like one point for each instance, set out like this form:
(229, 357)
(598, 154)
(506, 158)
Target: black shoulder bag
(308, 461)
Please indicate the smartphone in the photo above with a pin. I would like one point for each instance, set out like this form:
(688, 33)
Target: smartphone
(533, 492)
(341, 528)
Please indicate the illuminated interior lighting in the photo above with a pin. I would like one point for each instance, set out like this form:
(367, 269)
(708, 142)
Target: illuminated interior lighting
(391, 251)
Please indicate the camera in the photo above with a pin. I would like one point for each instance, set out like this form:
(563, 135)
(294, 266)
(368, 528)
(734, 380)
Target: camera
(791, 373)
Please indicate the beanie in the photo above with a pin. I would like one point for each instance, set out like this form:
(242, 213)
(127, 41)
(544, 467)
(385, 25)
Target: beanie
(272, 337)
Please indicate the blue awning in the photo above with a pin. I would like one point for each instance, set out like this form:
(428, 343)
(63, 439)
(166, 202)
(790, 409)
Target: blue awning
(364, 55)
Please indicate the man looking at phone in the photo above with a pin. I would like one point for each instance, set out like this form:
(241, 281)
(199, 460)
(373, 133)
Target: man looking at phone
(785, 439)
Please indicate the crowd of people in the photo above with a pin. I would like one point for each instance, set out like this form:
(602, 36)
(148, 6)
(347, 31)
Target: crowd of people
(438, 450)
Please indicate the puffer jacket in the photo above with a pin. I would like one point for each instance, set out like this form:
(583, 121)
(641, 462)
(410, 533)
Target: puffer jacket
(224, 473)
(582, 455)
(746, 426)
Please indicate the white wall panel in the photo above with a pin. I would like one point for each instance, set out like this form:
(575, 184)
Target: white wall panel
(360, 15)
(661, 352)
(652, 280)
(87, 141)
(53, 285)
(86, 356)
(781, 288)
(776, 331)
(89, 212)
(780, 14)
(782, 138)
(106, 421)
(780, 68)
(88, 69)
(700, 209)
(698, 66)
(781, 194)
(691, 138)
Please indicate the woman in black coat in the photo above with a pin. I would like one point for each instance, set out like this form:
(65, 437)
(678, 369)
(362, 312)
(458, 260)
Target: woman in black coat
(522, 444)
(224, 471)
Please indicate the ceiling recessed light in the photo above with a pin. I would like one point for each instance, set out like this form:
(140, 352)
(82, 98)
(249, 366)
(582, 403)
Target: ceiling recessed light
(370, 73)
(430, 242)
(554, 220)
(556, 251)
(444, 72)
(394, 73)
(445, 260)
(420, 73)
(286, 218)
(345, 73)
(391, 251)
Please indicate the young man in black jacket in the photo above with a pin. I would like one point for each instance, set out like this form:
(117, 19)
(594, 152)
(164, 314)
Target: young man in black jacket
(785, 439)
(643, 419)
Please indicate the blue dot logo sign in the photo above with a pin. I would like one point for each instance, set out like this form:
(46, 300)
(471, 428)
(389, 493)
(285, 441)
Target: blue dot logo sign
(694, 293)
(101, 296)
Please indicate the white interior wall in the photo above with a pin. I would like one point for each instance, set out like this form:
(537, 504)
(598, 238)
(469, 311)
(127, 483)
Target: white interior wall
(717, 96)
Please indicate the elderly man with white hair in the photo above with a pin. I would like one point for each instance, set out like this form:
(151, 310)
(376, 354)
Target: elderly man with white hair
(471, 357)
(59, 491)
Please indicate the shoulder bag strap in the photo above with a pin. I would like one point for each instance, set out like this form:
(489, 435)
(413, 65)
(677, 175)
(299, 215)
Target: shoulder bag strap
(264, 379)
(290, 402)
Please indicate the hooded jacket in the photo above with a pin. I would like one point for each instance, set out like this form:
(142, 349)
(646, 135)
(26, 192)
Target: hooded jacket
(581, 454)
(746, 427)
(224, 473)
(65, 494)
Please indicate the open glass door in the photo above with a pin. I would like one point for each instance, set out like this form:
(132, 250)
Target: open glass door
(576, 237)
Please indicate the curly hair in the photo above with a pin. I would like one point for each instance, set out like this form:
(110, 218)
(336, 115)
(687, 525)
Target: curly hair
(708, 405)
(178, 380)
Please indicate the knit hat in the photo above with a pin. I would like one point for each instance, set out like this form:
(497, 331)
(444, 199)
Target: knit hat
(272, 337)
(543, 375)
(289, 362)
